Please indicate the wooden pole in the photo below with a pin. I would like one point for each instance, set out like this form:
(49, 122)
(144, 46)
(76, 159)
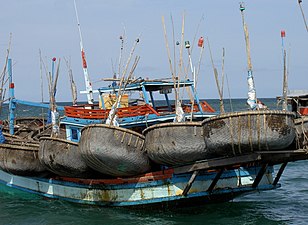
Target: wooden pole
(304, 18)
(72, 82)
(285, 84)
(221, 106)
(222, 78)
(169, 58)
(3, 76)
(252, 99)
(122, 38)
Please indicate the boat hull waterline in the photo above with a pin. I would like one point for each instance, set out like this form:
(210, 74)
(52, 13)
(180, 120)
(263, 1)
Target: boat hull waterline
(162, 188)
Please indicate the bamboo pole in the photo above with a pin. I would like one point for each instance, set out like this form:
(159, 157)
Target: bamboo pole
(252, 99)
(285, 84)
(121, 92)
(221, 107)
(304, 18)
(3, 76)
(169, 58)
(72, 82)
(122, 38)
(112, 113)
(174, 54)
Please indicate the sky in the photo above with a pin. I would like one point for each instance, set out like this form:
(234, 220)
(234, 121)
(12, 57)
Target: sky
(51, 27)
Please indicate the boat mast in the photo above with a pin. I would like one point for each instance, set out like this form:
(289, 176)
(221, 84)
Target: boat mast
(285, 73)
(252, 99)
(89, 89)
(12, 104)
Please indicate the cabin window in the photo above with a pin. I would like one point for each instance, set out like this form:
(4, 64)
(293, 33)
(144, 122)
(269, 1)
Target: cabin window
(74, 134)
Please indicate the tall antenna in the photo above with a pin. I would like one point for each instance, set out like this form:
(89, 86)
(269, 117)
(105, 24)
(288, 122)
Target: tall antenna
(89, 89)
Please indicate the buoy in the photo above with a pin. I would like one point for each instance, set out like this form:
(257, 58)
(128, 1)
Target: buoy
(200, 42)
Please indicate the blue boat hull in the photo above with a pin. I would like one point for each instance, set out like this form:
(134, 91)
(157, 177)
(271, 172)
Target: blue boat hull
(164, 188)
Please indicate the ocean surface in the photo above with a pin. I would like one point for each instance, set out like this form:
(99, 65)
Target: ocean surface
(285, 205)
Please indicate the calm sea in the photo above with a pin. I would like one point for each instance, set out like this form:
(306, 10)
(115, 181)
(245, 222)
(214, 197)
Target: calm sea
(286, 205)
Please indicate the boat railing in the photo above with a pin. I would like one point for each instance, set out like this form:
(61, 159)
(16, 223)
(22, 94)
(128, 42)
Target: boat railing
(87, 113)
(204, 106)
(186, 108)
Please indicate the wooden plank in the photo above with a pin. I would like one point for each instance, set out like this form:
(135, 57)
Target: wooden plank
(259, 175)
(190, 182)
(214, 163)
(216, 179)
(296, 151)
(278, 157)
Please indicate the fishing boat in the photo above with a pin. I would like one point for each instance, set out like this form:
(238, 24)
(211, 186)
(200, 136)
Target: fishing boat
(199, 182)
(113, 150)
(175, 143)
(248, 131)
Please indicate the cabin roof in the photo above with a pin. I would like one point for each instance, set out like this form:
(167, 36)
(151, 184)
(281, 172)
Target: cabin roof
(149, 85)
(298, 93)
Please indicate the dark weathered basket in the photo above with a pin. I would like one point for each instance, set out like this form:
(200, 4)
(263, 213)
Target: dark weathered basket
(20, 157)
(301, 126)
(63, 158)
(175, 143)
(243, 132)
(113, 150)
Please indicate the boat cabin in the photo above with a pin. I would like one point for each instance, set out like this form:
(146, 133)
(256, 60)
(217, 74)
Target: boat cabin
(143, 103)
(298, 99)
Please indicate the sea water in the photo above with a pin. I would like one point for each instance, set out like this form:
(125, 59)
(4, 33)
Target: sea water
(285, 205)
